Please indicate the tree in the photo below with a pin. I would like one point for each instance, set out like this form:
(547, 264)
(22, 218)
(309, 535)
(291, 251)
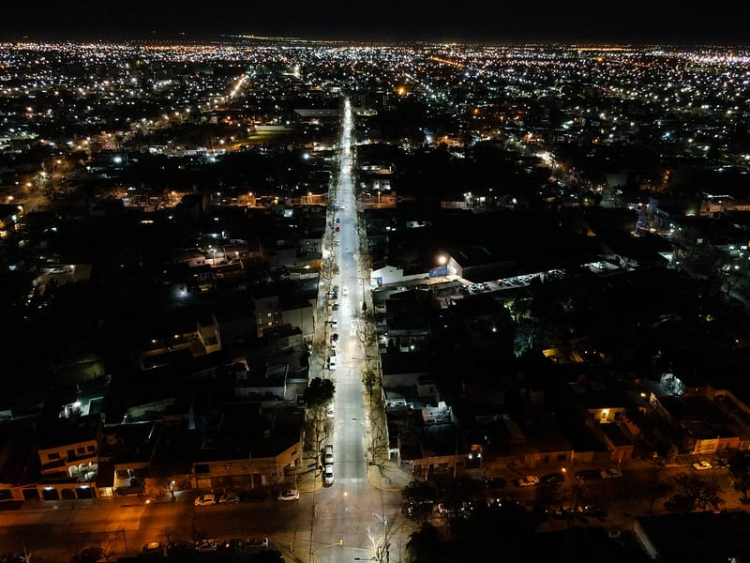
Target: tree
(697, 492)
(319, 393)
(547, 495)
(419, 500)
(739, 467)
(508, 524)
(317, 397)
(423, 545)
(459, 494)
(369, 378)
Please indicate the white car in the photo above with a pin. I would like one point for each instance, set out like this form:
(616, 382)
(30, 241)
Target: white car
(206, 500)
(289, 494)
(345, 291)
(328, 474)
(527, 481)
(328, 455)
(332, 362)
(329, 411)
(229, 498)
(702, 465)
(611, 473)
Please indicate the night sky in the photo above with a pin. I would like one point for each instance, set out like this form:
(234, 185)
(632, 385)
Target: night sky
(718, 22)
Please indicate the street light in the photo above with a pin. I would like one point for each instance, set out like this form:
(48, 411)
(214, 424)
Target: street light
(385, 545)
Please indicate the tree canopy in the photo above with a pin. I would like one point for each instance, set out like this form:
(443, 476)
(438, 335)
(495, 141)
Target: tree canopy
(319, 393)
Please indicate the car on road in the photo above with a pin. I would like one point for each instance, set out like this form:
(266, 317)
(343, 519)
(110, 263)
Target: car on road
(335, 307)
(702, 465)
(334, 337)
(255, 543)
(206, 546)
(288, 494)
(338, 229)
(611, 473)
(527, 481)
(328, 455)
(205, 500)
(555, 478)
(329, 411)
(328, 474)
(332, 363)
(345, 291)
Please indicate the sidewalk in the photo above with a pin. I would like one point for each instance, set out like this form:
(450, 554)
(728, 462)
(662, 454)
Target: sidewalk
(388, 476)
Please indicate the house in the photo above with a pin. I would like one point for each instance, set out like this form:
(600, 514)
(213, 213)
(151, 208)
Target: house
(69, 454)
(248, 447)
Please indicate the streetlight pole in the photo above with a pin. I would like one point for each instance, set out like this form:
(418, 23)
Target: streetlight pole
(385, 545)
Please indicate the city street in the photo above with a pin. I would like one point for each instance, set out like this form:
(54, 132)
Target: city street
(351, 509)
(344, 521)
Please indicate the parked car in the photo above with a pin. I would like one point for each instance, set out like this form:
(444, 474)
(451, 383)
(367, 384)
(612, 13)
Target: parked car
(345, 291)
(152, 547)
(527, 481)
(332, 363)
(90, 555)
(255, 543)
(702, 465)
(552, 478)
(229, 498)
(591, 510)
(495, 483)
(289, 494)
(329, 411)
(611, 473)
(177, 549)
(567, 512)
(328, 455)
(205, 500)
(328, 474)
(206, 546)
(232, 545)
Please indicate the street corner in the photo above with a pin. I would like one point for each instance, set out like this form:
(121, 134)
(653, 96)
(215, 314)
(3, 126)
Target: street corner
(387, 477)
